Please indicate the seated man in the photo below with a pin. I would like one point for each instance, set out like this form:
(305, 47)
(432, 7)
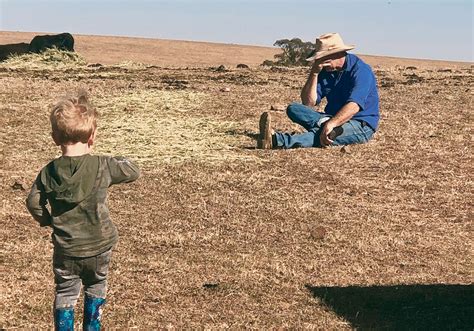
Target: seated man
(351, 115)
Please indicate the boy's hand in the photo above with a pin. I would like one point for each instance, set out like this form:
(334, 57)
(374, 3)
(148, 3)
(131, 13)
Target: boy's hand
(37, 204)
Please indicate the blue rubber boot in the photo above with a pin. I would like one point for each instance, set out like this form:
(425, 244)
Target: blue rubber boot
(64, 319)
(92, 313)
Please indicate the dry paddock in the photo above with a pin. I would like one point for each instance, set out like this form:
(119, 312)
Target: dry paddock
(216, 234)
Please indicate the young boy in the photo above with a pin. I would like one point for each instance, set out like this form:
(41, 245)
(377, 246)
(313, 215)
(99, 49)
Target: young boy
(75, 187)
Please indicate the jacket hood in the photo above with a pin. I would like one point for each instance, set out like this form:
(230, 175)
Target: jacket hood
(70, 179)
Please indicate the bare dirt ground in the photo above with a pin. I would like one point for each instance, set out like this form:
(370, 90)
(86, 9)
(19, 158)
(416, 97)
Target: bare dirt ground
(216, 234)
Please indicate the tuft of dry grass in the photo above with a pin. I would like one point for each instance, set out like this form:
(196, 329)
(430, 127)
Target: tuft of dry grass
(131, 65)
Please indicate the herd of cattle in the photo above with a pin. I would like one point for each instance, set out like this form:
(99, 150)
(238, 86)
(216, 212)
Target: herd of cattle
(38, 44)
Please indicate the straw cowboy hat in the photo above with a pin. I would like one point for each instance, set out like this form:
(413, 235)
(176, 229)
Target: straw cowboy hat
(328, 44)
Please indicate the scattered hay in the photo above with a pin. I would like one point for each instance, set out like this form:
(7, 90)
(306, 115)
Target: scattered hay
(131, 65)
(161, 127)
(50, 59)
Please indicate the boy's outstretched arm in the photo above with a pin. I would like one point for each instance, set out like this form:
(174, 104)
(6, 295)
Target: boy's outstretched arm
(36, 204)
(122, 170)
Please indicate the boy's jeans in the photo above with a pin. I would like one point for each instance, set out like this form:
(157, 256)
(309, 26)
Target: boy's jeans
(71, 272)
(354, 131)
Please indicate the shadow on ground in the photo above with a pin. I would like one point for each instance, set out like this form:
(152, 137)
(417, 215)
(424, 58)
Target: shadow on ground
(402, 307)
(236, 132)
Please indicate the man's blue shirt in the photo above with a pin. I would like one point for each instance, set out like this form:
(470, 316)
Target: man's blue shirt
(355, 82)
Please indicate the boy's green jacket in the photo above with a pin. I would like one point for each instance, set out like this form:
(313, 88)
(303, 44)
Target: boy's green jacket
(76, 190)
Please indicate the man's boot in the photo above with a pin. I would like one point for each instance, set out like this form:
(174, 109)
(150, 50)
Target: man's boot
(336, 132)
(64, 319)
(92, 313)
(265, 138)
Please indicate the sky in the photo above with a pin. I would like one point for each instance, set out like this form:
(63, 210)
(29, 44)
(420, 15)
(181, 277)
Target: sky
(429, 29)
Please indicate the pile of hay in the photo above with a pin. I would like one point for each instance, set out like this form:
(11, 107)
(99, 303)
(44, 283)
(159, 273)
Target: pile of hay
(48, 60)
(155, 126)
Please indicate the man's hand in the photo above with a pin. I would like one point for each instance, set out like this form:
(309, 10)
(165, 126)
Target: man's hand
(341, 117)
(318, 65)
(308, 93)
(324, 136)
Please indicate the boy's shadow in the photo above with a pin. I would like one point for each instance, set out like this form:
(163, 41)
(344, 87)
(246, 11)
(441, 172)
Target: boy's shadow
(401, 307)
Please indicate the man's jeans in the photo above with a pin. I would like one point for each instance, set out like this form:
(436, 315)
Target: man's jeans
(354, 131)
(71, 272)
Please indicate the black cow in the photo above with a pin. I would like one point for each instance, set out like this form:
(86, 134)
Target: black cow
(63, 41)
(13, 49)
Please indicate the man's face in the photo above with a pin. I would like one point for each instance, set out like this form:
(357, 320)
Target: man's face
(333, 62)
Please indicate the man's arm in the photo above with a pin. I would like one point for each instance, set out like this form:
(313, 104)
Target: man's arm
(36, 204)
(361, 81)
(309, 94)
(341, 117)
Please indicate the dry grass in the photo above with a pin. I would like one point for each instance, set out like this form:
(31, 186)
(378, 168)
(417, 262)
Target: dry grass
(50, 59)
(131, 65)
(217, 235)
(164, 126)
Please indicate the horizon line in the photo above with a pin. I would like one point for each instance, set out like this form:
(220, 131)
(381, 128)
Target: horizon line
(232, 44)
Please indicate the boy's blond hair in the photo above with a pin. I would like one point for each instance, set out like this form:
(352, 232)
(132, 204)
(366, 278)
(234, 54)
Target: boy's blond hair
(73, 119)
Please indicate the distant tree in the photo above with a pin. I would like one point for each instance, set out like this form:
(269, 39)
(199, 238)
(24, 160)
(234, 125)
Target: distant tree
(295, 52)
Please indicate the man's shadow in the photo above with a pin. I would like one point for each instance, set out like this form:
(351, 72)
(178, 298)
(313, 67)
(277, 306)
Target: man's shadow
(252, 135)
(237, 132)
(401, 307)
